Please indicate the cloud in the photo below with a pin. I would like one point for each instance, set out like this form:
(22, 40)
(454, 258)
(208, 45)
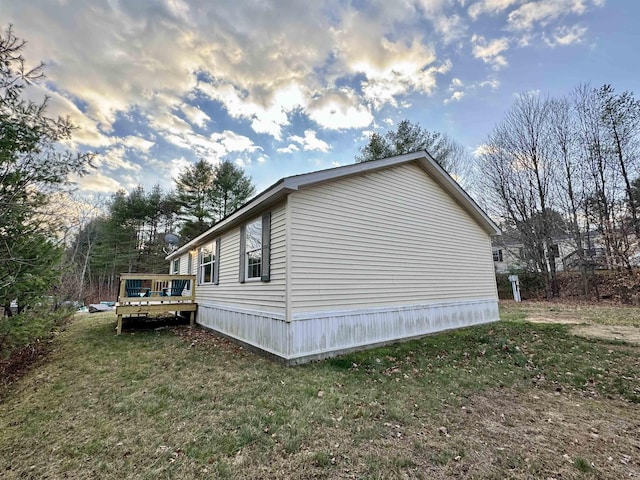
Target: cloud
(114, 159)
(166, 122)
(527, 16)
(310, 142)
(58, 105)
(174, 167)
(565, 35)
(491, 7)
(232, 142)
(195, 115)
(137, 143)
(490, 52)
(288, 149)
(450, 28)
(174, 71)
(99, 183)
(339, 109)
(456, 96)
(492, 83)
(152, 58)
(391, 69)
(266, 118)
(456, 83)
(215, 146)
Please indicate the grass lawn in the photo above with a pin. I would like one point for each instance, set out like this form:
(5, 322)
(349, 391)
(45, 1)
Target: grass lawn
(508, 400)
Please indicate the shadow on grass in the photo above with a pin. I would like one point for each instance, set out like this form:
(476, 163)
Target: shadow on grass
(136, 324)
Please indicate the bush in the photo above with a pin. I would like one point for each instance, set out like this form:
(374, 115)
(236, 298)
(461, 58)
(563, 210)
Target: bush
(33, 325)
(622, 287)
(531, 285)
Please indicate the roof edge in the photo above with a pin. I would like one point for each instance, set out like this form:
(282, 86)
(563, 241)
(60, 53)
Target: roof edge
(289, 184)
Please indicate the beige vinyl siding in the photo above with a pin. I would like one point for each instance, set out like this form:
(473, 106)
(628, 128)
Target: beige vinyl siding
(391, 237)
(253, 294)
(184, 260)
(183, 265)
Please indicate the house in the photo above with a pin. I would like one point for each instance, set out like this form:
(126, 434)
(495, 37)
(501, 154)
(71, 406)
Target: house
(344, 259)
(511, 255)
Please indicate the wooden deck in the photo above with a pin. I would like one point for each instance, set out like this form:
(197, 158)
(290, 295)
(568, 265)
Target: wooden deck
(155, 296)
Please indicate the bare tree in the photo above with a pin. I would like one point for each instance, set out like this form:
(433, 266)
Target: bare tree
(519, 167)
(568, 182)
(620, 115)
(604, 204)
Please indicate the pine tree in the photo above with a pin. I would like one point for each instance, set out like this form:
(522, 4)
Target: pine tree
(231, 188)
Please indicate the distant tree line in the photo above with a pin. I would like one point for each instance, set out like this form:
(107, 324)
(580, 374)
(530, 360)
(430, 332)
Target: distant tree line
(128, 236)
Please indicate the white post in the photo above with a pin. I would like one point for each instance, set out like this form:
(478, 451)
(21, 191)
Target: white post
(515, 286)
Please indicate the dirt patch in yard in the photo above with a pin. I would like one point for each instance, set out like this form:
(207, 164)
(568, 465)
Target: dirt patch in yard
(569, 321)
(609, 332)
(582, 329)
(606, 321)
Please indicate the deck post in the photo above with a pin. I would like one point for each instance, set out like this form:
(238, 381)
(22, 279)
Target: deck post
(119, 326)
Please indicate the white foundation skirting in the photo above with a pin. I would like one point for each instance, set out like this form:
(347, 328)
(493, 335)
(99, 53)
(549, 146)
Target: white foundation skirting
(314, 335)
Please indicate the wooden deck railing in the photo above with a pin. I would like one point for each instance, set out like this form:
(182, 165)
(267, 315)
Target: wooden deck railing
(144, 293)
(155, 287)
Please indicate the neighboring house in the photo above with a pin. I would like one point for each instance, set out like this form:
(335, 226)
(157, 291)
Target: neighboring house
(510, 255)
(346, 258)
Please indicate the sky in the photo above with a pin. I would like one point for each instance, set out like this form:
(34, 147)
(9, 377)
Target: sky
(290, 86)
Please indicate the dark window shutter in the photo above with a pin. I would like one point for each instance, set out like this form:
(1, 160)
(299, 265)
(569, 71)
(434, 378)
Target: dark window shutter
(266, 247)
(243, 248)
(216, 266)
(198, 274)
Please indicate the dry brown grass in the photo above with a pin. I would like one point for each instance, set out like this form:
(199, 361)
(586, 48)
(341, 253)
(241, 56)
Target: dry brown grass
(509, 400)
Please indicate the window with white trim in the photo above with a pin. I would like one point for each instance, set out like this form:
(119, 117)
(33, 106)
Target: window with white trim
(253, 250)
(176, 266)
(206, 263)
(497, 255)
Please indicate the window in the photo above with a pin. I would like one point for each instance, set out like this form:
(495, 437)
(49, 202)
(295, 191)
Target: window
(176, 266)
(253, 252)
(207, 270)
(497, 255)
